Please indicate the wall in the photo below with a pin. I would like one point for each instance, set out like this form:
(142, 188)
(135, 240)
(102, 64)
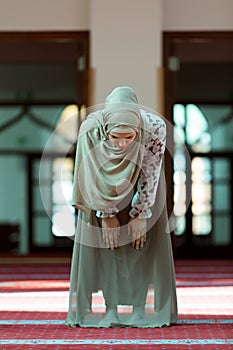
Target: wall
(197, 15)
(126, 46)
(29, 15)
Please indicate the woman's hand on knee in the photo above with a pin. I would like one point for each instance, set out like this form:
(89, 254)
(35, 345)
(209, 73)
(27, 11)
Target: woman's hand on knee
(137, 228)
(111, 231)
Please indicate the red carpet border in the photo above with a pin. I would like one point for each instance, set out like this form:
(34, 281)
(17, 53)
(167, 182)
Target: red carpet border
(34, 302)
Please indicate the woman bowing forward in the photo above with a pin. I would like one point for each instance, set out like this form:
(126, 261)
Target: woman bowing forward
(122, 271)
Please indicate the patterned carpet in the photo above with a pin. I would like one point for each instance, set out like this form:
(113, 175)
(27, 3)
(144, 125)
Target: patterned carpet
(34, 301)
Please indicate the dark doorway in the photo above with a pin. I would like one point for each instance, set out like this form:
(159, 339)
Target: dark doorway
(198, 68)
(41, 75)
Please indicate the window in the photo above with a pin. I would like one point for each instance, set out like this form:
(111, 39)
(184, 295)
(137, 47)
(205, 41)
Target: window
(191, 129)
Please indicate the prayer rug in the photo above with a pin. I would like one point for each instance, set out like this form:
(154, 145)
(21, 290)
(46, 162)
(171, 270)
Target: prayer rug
(34, 303)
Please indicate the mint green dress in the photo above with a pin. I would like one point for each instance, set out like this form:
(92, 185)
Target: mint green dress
(125, 277)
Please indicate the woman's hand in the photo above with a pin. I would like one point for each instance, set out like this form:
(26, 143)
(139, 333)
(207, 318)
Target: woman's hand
(137, 228)
(111, 231)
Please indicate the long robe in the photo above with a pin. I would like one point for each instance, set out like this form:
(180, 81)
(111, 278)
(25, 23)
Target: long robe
(125, 277)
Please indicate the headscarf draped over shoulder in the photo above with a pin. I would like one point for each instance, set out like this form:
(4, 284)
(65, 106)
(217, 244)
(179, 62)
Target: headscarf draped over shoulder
(104, 174)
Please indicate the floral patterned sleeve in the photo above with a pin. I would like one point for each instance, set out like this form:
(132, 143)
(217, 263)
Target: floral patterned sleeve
(147, 185)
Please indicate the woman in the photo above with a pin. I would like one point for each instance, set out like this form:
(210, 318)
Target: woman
(122, 271)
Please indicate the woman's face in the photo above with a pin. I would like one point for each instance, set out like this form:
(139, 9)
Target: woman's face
(122, 140)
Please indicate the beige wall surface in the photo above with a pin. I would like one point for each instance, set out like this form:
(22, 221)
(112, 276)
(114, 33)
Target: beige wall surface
(27, 15)
(197, 15)
(126, 46)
